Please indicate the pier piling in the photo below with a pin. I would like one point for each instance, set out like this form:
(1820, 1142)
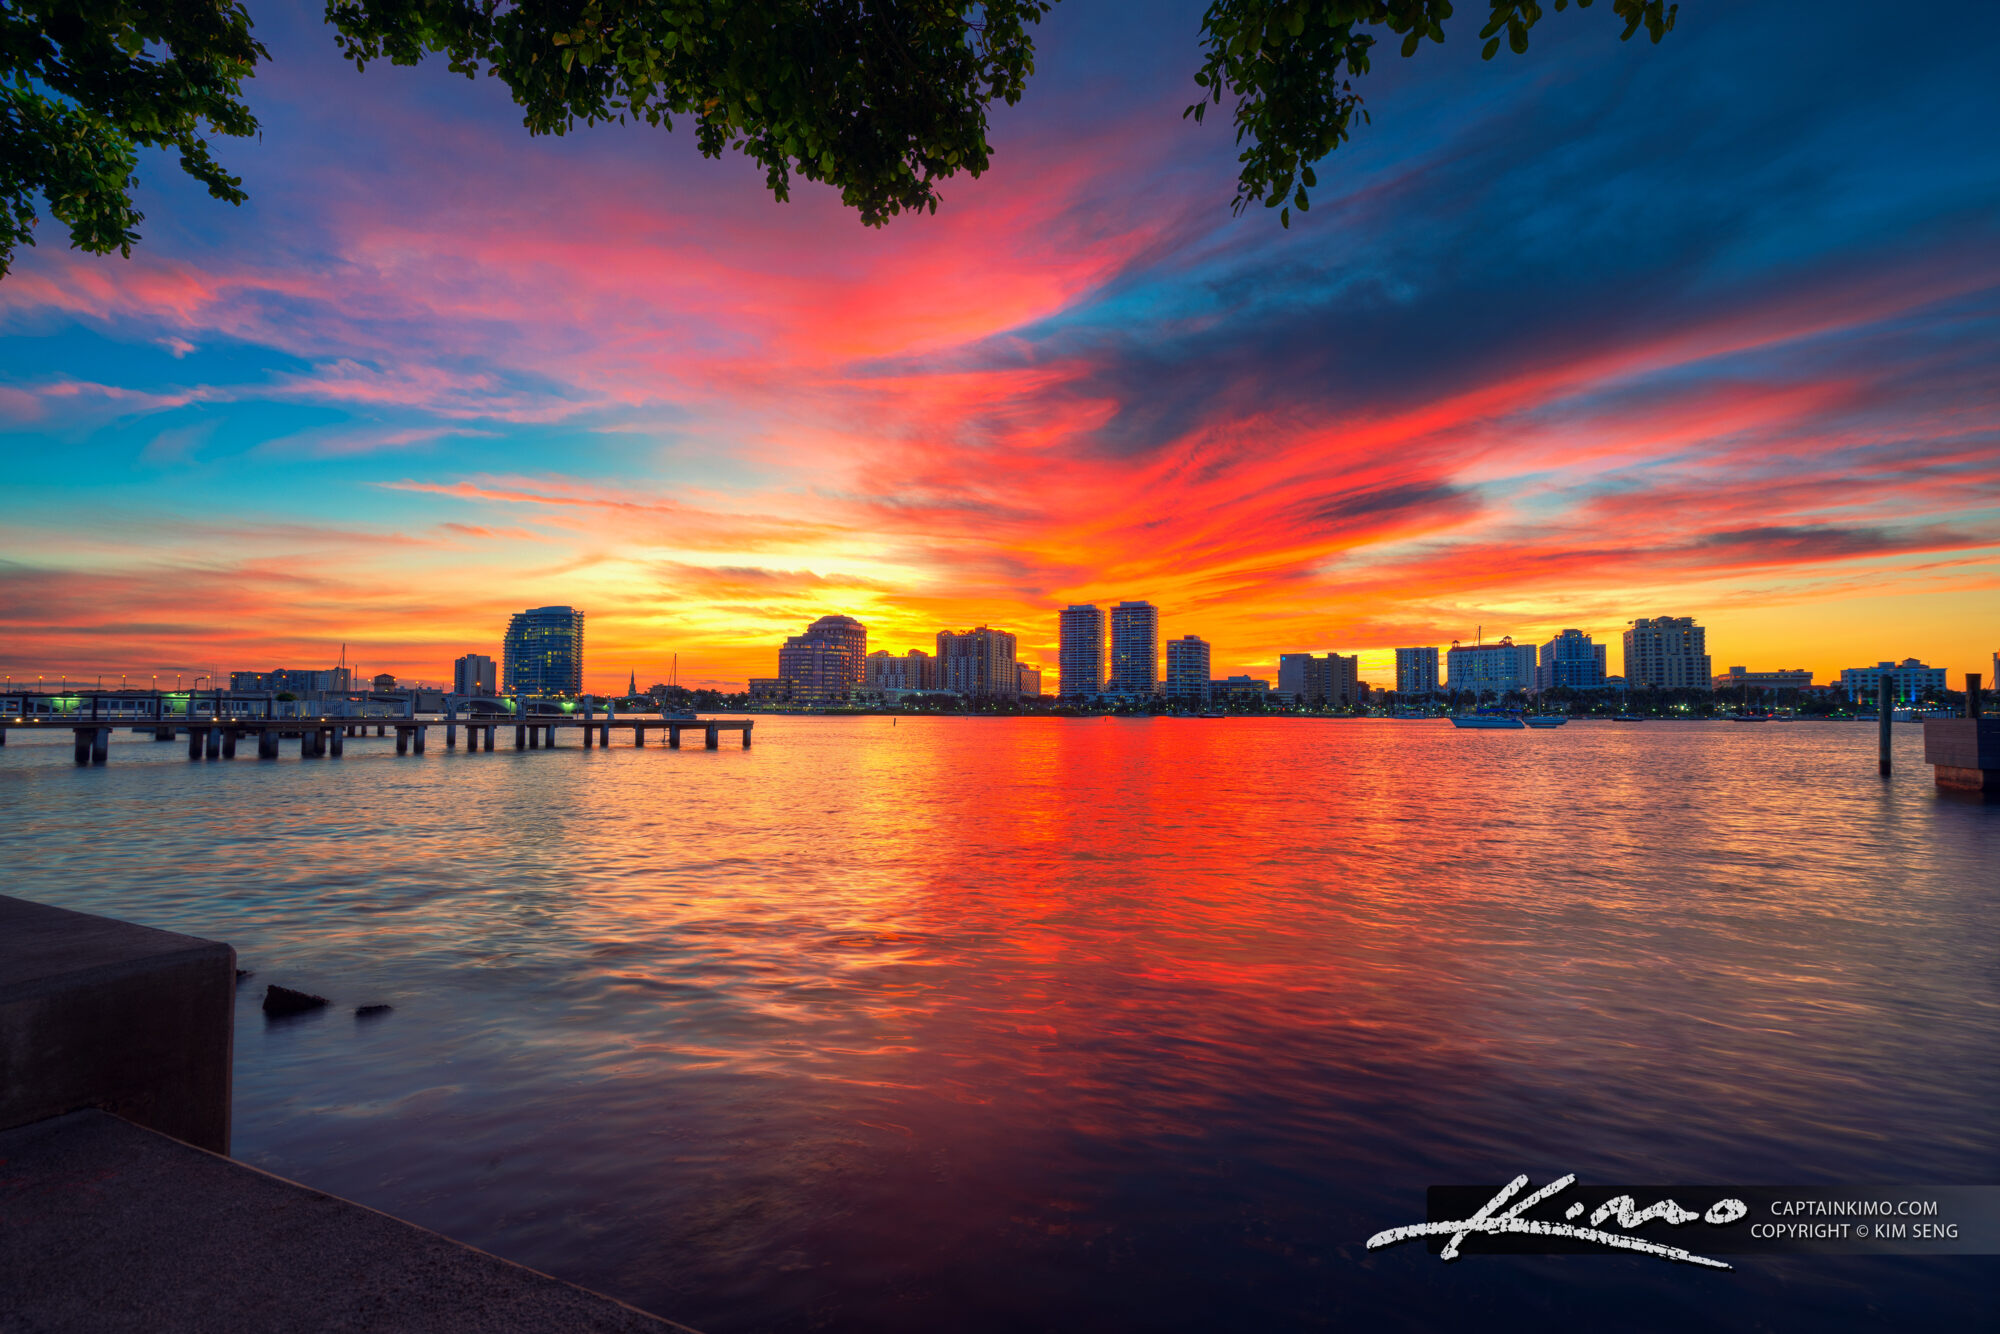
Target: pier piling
(402, 741)
(267, 744)
(194, 743)
(229, 745)
(1885, 713)
(713, 740)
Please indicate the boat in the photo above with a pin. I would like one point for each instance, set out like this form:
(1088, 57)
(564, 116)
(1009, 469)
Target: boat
(1545, 719)
(1749, 717)
(1629, 718)
(1482, 722)
(1217, 714)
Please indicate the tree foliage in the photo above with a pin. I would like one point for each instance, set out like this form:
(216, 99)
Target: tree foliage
(881, 99)
(1290, 66)
(85, 84)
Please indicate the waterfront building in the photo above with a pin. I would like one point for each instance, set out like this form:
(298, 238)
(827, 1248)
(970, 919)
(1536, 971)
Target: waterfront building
(294, 681)
(1319, 682)
(769, 690)
(1497, 667)
(384, 681)
(1238, 691)
(826, 663)
(542, 653)
(1416, 671)
(1790, 678)
(915, 670)
(1911, 681)
(1080, 656)
(1571, 659)
(1667, 653)
(978, 663)
(1135, 651)
(1187, 670)
(475, 674)
(1030, 681)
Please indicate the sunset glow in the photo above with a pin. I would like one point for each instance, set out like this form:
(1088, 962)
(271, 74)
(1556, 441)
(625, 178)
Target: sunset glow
(1600, 332)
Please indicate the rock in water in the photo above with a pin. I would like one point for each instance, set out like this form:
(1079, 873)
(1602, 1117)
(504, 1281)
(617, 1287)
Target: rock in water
(281, 1001)
(371, 1011)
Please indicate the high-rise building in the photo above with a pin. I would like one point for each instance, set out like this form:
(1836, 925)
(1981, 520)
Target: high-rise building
(1571, 659)
(1497, 667)
(1320, 682)
(826, 663)
(1135, 650)
(474, 674)
(1910, 681)
(1667, 653)
(978, 663)
(1187, 670)
(1030, 681)
(1416, 671)
(542, 653)
(915, 670)
(1080, 659)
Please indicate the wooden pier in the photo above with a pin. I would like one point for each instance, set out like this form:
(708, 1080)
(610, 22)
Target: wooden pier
(218, 735)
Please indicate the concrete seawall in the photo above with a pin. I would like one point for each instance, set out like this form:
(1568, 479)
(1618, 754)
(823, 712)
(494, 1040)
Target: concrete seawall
(118, 1208)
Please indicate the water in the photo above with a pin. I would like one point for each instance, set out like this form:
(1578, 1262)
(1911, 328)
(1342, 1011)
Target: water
(1003, 1024)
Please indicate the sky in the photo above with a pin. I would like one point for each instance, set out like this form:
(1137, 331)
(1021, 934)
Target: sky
(1606, 330)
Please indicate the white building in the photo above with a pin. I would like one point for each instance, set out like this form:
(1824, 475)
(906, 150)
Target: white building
(1572, 660)
(1416, 671)
(1080, 655)
(475, 674)
(1497, 667)
(1135, 651)
(1910, 681)
(1667, 653)
(1187, 670)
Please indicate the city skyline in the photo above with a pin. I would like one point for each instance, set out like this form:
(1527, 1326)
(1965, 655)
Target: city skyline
(404, 391)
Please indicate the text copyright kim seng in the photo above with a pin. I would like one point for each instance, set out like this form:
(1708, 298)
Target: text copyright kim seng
(1693, 1224)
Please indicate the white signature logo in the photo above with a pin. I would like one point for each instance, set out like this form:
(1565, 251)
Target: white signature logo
(1623, 1207)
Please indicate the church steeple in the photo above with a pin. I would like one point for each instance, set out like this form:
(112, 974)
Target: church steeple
(632, 685)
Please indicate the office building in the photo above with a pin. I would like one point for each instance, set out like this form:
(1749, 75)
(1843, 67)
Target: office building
(474, 674)
(1330, 681)
(1911, 682)
(1790, 678)
(542, 653)
(1498, 668)
(1080, 656)
(978, 663)
(1667, 653)
(1030, 681)
(915, 670)
(1416, 671)
(1570, 660)
(826, 663)
(1135, 651)
(1187, 670)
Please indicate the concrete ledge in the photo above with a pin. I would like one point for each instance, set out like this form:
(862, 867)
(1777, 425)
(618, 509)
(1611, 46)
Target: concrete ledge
(107, 1227)
(101, 1013)
(1962, 743)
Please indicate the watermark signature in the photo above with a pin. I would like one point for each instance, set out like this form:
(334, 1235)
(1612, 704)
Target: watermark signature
(1623, 1208)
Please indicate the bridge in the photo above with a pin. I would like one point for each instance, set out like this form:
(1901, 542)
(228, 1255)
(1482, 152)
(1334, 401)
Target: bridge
(213, 727)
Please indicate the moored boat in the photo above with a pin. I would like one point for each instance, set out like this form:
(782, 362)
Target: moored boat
(1545, 719)
(1484, 722)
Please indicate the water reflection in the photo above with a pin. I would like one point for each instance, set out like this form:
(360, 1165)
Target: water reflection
(981, 1023)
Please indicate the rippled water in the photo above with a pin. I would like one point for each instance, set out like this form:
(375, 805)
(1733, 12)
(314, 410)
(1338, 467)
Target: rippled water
(1001, 1024)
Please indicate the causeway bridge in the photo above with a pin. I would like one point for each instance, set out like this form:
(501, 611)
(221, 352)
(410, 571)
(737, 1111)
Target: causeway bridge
(213, 730)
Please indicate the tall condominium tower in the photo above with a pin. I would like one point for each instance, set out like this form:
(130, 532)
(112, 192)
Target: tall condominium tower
(474, 674)
(915, 670)
(979, 662)
(1570, 659)
(823, 665)
(1080, 660)
(1667, 653)
(1187, 670)
(1416, 671)
(542, 653)
(1135, 650)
